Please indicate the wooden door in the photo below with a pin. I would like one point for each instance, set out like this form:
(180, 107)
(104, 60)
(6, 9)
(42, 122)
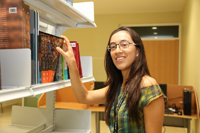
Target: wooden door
(163, 59)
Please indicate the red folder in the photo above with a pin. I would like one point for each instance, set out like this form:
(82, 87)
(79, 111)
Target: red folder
(75, 47)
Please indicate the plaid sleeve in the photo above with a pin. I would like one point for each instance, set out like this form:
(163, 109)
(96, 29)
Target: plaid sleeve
(148, 94)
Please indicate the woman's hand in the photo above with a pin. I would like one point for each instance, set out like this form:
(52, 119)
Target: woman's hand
(67, 51)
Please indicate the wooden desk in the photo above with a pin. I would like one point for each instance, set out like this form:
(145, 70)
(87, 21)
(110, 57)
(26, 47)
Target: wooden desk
(178, 121)
(174, 120)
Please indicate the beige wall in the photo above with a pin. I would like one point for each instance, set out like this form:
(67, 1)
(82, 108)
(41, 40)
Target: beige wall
(190, 46)
(93, 41)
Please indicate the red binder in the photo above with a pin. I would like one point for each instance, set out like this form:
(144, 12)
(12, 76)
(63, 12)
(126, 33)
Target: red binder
(75, 47)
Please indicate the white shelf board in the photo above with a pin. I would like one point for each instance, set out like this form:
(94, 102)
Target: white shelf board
(42, 88)
(20, 92)
(60, 13)
(14, 93)
(15, 129)
(15, 67)
(72, 121)
(87, 66)
(26, 120)
(31, 120)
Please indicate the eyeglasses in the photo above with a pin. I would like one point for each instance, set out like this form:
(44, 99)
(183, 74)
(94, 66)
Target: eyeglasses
(123, 44)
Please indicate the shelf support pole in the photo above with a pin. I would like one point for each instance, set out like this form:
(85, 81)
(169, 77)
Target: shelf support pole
(50, 108)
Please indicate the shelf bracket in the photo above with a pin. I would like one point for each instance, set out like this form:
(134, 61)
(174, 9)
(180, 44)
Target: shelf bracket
(50, 108)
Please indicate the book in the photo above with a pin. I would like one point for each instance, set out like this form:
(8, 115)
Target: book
(75, 47)
(34, 18)
(65, 69)
(32, 35)
(59, 70)
(12, 24)
(37, 45)
(27, 21)
(23, 25)
(39, 58)
(49, 55)
(43, 57)
(54, 55)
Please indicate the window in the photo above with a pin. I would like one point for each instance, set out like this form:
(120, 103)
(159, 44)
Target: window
(157, 31)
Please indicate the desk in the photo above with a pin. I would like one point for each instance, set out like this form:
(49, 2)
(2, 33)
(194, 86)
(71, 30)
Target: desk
(173, 120)
(178, 121)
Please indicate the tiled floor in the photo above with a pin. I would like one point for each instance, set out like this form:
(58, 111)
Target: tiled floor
(5, 119)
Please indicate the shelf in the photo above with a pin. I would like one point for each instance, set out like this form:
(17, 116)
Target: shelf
(14, 93)
(15, 63)
(26, 119)
(16, 75)
(30, 119)
(42, 88)
(19, 129)
(33, 90)
(72, 121)
(61, 13)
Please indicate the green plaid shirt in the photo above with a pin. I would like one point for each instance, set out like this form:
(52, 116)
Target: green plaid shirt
(124, 125)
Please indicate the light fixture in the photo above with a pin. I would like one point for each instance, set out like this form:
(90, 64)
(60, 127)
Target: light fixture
(154, 28)
(155, 33)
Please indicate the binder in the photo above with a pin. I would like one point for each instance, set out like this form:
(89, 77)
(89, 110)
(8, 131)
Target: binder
(75, 47)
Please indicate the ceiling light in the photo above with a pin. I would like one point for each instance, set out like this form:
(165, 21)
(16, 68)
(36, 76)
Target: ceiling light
(155, 33)
(154, 28)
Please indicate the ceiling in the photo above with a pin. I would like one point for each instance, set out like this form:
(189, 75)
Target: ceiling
(135, 6)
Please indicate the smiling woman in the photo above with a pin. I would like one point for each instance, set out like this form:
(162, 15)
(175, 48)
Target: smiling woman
(127, 69)
(132, 97)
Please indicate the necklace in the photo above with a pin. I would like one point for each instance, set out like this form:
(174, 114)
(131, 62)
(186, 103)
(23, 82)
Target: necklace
(116, 110)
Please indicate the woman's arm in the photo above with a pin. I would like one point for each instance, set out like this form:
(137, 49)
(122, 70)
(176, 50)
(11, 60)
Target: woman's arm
(154, 111)
(154, 116)
(81, 93)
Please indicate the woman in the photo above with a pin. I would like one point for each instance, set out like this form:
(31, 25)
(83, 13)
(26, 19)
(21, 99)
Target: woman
(134, 101)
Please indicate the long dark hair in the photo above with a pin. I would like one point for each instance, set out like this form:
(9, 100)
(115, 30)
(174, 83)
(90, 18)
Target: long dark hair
(138, 70)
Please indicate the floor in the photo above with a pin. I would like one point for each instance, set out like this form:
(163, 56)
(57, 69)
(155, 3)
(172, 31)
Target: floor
(5, 119)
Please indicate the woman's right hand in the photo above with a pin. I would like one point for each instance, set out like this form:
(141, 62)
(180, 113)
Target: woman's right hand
(81, 93)
(67, 51)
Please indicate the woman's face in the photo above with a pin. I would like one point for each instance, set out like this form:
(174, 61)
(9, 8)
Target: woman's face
(123, 58)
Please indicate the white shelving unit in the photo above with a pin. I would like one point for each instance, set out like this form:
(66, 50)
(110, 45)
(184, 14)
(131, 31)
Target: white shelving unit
(56, 16)
(62, 15)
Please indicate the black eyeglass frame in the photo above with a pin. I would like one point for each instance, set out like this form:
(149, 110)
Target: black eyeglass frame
(109, 49)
